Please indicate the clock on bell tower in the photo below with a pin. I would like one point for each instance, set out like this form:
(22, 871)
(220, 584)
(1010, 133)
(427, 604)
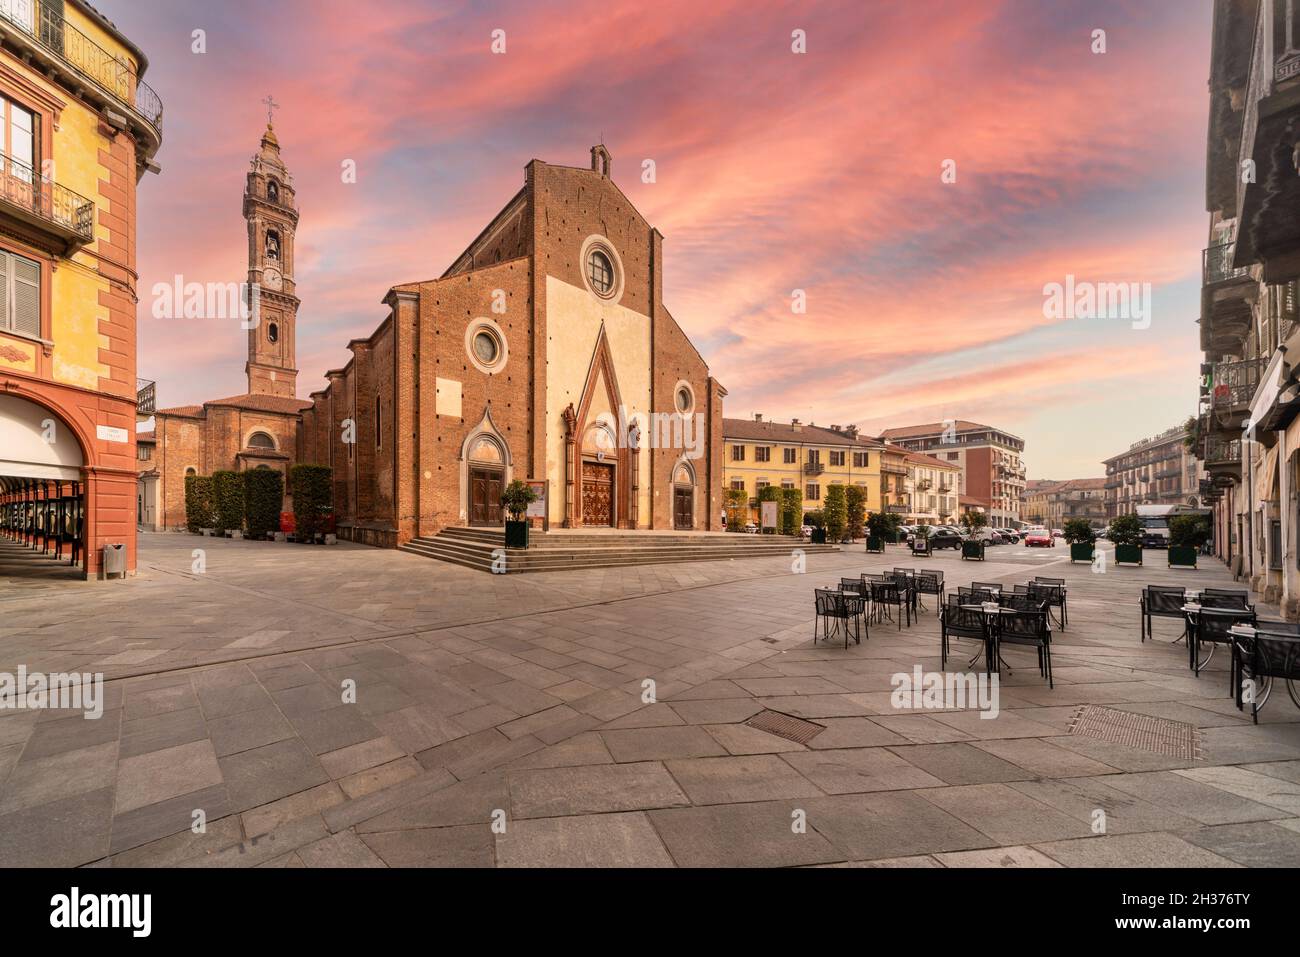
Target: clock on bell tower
(272, 219)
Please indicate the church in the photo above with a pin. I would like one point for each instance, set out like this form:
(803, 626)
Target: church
(259, 428)
(543, 353)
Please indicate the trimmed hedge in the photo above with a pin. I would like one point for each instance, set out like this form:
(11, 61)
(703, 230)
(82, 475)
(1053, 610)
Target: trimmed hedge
(198, 503)
(791, 511)
(263, 499)
(836, 512)
(856, 513)
(228, 500)
(312, 488)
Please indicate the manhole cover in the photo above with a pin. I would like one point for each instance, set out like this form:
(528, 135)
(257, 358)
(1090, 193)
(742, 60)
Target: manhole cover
(785, 726)
(1177, 739)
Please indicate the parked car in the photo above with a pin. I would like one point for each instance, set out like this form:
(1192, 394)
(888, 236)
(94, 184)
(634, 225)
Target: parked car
(806, 531)
(1057, 533)
(751, 528)
(942, 537)
(1039, 538)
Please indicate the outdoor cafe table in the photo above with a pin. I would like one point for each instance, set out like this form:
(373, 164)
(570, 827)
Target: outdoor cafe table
(991, 612)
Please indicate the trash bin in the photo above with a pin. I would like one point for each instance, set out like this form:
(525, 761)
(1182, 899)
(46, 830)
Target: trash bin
(115, 560)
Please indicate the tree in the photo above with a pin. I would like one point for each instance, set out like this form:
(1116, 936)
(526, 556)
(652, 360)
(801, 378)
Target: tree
(735, 503)
(815, 518)
(835, 510)
(198, 503)
(856, 500)
(973, 520)
(791, 511)
(1078, 531)
(263, 500)
(1125, 530)
(884, 525)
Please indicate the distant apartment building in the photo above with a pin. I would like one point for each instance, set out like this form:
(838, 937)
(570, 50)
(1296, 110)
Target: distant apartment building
(758, 453)
(1077, 498)
(1160, 470)
(920, 488)
(989, 459)
(1033, 507)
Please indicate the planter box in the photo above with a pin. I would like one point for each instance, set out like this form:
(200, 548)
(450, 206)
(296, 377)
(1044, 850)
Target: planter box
(516, 534)
(1182, 556)
(236, 534)
(876, 544)
(972, 550)
(920, 546)
(1128, 554)
(1082, 552)
(278, 536)
(819, 536)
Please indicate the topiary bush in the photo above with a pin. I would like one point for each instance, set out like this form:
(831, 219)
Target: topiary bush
(1125, 530)
(1189, 530)
(228, 500)
(198, 503)
(263, 499)
(791, 511)
(884, 525)
(313, 498)
(1078, 531)
(736, 503)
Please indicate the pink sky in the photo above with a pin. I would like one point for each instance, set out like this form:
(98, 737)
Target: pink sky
(775, 172)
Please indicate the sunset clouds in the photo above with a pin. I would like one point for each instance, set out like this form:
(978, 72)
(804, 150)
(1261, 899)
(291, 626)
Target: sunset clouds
(775, 172)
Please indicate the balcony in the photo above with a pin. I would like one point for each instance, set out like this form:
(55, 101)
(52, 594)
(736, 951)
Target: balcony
(52, 210)
(1232, 386)
(40, 30)
(1268, 229)
(1223, 457)
(1226, 300)
(813, 468)
(145, 405)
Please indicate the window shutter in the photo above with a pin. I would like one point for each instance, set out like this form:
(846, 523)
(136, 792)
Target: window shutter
(27, 296)
(6, 322)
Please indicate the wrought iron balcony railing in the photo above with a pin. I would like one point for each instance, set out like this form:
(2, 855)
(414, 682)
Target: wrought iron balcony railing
(45, 24)
(45, 202)
(145, 396)
(1220, 450)
(813, 468)
(1233, 383)
(1218, 265)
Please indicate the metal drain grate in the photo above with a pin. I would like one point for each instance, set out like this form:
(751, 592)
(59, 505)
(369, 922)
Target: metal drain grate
(1177, 739)
(785, 726)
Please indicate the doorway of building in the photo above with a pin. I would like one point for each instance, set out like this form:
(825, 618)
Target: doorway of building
(597, 494)
(683, 508)
(485, 497)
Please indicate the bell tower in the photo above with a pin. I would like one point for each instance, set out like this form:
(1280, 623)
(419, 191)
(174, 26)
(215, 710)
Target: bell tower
(272, 217)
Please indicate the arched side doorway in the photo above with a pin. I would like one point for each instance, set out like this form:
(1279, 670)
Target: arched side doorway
(683, 496)
(485, 472)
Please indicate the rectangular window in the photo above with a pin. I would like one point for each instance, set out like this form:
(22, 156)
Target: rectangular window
(759, 486)
(144, 453)
(762, 453)
(813, 492)
(861, 460)
(814, 456)
(21, 282)
(1275, 545)
(791, 456)
(787, 484)
(953, 456)
(737, 453)
(837, 458)
(738, 484)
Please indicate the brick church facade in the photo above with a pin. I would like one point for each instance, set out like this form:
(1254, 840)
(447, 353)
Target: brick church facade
(545, 353)
(259, 428)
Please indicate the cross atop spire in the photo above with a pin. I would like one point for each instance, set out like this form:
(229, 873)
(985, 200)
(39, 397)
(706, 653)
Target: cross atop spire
(271, 107)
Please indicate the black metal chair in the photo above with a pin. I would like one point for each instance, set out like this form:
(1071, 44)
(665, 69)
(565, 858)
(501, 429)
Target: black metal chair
(1271, 654)
(859, 588)
(1030, 628)
(1051, 595)
(1226, 598)
(1211, 628)
(838, 607)
(930, 583)
(1161, 601)
(1058, 600)
(959, 622)
(994, 587)
(885, 595)
(1021, 602)
(975, 596)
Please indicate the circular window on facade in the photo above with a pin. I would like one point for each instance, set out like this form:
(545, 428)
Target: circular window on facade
(486, 346)
(684, 398)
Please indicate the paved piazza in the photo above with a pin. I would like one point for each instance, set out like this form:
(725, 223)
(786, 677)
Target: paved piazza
(516, 701)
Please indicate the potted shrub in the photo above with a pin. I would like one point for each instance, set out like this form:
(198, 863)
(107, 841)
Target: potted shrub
(1187, 533)
(973, 546)
(1125, 534)
(882, 527)
(515, 500)
(1081, 539)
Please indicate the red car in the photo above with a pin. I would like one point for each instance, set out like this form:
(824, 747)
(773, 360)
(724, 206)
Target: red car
(1040, 538)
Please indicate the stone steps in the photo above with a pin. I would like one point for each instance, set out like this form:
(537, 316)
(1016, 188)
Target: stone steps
(475, 548)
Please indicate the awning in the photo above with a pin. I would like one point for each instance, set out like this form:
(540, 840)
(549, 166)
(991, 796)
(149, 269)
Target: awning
(35, 444)
(1266, 477)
